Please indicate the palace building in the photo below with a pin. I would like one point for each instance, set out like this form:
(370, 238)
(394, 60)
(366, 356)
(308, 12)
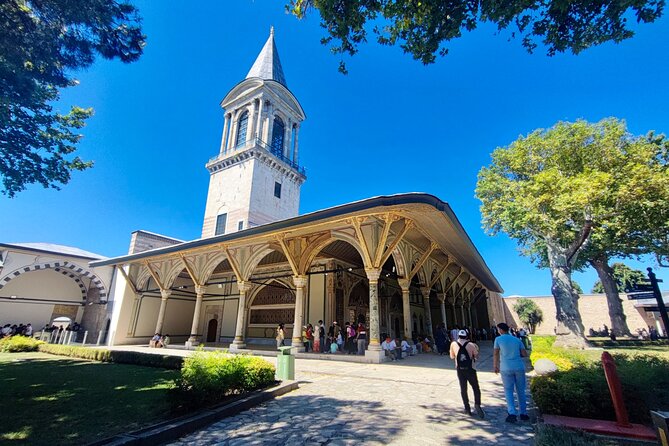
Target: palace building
(401, 264)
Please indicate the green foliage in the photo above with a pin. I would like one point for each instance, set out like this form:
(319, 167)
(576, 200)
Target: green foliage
(424, 28)
(582, 380)
(15, 344)
(564, 359)
(576, 287)
(117, 356)
(41, 44)
(208, 378)
(555, 189)
(626, 278)
(528, 312)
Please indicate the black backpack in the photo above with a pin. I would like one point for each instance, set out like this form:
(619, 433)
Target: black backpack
(464, 360)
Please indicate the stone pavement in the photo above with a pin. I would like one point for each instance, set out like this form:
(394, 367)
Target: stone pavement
(413, 401)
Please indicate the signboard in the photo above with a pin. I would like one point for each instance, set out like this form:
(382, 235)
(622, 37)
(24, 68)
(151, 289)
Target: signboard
(633, 296)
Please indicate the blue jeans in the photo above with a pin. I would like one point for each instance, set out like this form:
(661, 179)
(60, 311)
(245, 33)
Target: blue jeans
(514, 379)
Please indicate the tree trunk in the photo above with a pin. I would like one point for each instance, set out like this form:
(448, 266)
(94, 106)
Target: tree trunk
(569, 331)
(616, 313)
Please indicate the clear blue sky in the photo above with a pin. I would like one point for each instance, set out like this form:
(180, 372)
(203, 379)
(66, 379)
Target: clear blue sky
(391, 126)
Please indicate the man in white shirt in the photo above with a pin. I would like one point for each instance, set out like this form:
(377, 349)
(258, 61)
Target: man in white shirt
(388, 347)
(465, 354)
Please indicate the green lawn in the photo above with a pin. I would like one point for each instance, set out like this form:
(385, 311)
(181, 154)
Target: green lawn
(49, 400)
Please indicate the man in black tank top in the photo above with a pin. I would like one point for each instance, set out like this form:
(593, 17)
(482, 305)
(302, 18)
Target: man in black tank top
(465, 354)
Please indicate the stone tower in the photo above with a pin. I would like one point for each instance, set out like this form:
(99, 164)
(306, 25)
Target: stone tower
(255, 178)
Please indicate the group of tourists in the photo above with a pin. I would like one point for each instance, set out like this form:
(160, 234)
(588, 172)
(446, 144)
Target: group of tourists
(508, 351)
(16, 330)
(350, 339)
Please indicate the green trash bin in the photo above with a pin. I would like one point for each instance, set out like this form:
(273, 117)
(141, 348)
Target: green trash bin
(285, 364)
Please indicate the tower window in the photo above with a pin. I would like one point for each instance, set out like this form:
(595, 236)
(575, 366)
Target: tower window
(278, 133)
(240, 225)
(277, 189)
(220, 224)
(242, 125)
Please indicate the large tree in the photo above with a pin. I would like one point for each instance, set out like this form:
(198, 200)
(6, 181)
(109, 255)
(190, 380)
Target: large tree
(551, 189)
(41, 44)
(424, 28)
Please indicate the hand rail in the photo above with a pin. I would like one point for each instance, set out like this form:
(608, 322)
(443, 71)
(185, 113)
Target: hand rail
(260, 143)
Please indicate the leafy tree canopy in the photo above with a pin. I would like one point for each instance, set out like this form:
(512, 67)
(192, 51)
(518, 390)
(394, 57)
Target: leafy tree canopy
(552, 189)
(423, 28)
(576, 287)
(528, 312)
(626, 278)
(41, 44)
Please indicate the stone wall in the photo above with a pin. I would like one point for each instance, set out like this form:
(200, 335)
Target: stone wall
(143, 241)
(593, 308)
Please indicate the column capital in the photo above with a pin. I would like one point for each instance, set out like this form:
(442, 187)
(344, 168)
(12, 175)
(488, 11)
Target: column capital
(300, 281)
(405, 284)
(425, 291)
(165, 294)
(244, 286)
(200, 289)
(373, 274)
(441, 297)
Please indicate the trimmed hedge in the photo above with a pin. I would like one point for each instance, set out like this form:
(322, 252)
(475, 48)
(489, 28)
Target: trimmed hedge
(208, 378)
(582, 391)
(15, 344)
(116, 356)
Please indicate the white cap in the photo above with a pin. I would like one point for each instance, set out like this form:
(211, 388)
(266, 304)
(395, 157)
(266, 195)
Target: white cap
(462, 334)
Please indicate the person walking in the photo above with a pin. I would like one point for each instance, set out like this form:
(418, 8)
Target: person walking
(465, 354)
(507, 360)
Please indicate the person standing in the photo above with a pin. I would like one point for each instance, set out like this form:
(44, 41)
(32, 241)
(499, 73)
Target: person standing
(362, 338)
(321, 335)
(280, 336)
(465, 354)
(507, 360)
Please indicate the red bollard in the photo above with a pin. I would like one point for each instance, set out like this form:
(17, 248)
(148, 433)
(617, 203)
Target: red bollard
(616, 390)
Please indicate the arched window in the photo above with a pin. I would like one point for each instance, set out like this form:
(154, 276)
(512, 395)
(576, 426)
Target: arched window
(242, 125)
(278, 133)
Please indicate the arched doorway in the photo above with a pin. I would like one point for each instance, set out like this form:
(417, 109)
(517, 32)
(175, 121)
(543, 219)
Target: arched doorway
(358, 303)
(212, 329)
(273, 304)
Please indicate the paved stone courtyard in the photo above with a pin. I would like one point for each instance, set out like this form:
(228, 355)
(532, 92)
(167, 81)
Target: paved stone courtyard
(415, 401)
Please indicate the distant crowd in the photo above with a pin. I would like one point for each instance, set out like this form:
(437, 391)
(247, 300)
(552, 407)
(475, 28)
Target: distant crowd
(16, 330)
(352, 339)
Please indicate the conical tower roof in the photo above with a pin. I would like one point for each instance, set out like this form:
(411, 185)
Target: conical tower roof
(267, 65)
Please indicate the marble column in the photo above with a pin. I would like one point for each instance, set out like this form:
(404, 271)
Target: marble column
(428, 312)
(373, 332)
(469, 313)
(462, 312)
(164, 295)
(455, 315)
(195, 326)
(261, 120)
(442, 306)
(406, 306)
(297, 140)
(226, 129)
(243, 287)
(300, 285)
